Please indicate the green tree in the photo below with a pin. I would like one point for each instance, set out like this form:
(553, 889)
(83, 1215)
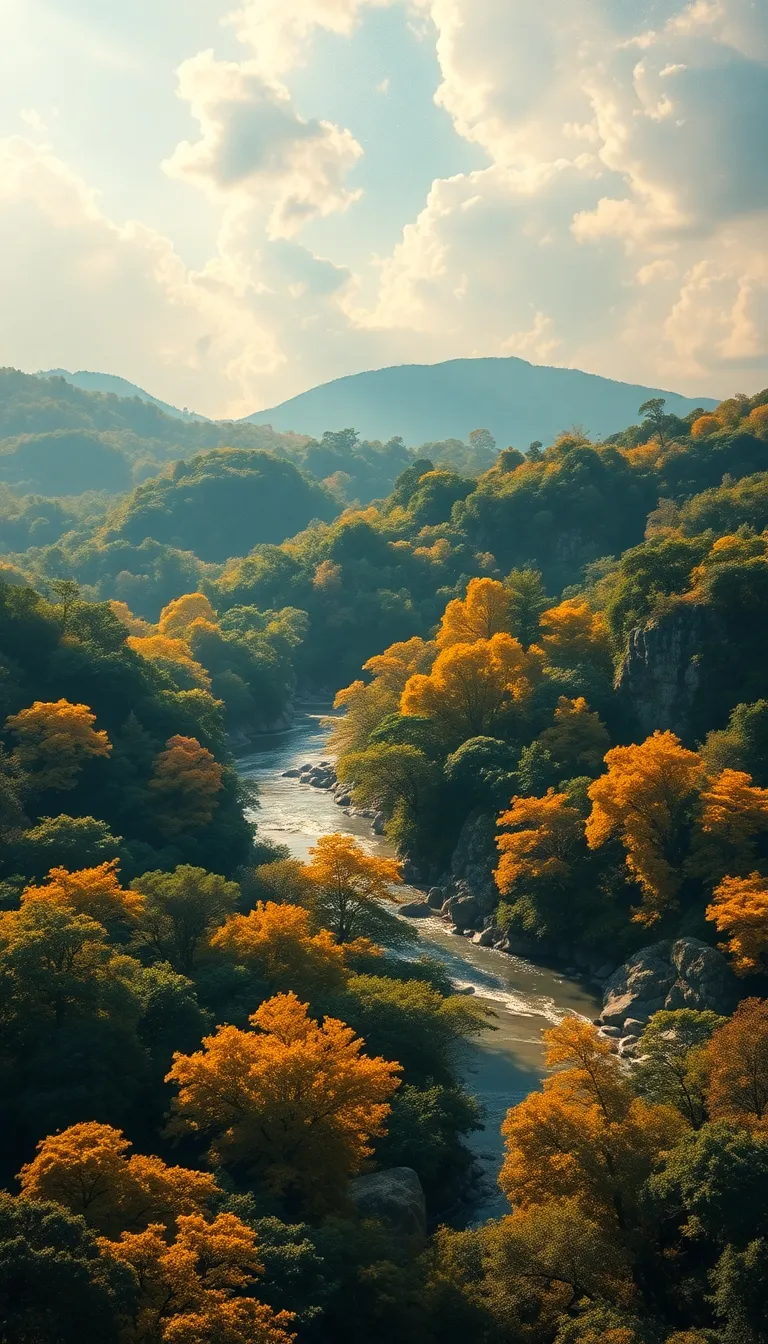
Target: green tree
(182, 909)
(672, 1063)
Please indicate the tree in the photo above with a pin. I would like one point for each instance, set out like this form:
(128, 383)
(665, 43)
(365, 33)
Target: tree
(55, 1286)
(179, 615)
(86, 1168)
(740, 909)
(348, 884)
(542, 838)
(68, 593)
(186, 781)
(737, 1059)
(671, 1065)
(586, 1136)
(175, 656)
(653, 415)
(578, 739)
(277, 942)
(573, 634)
(182, 908)
(526, 600)
(398, 779)
(284, 881)
(470, 686)
(717, 1178)
(647, 798)
(66, 842)
(367, 705)
(295, 1102)
(198, 1289)
(56, 738)
(95, 892)
(484, 612)
(734, 815)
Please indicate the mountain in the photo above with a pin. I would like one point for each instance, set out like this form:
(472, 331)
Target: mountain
(109, 382)
(517, 401)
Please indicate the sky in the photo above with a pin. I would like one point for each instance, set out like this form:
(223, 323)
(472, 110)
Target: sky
(230, 205)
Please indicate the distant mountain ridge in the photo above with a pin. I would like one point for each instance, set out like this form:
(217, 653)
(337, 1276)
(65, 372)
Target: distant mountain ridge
(517, 401)
(120, 387)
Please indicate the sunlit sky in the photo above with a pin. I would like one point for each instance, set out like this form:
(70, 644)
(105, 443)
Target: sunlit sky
(228, 206)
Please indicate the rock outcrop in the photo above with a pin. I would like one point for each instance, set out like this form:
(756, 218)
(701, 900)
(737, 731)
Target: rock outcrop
(394, 1197)
(661, 672)
(685, 973)
(474, 860)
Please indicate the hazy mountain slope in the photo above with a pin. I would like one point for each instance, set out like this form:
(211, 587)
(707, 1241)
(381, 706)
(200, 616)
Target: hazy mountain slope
(109, 382)
(515, 400)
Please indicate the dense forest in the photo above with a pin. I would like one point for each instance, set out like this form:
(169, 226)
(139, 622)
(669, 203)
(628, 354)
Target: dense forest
(551, 670)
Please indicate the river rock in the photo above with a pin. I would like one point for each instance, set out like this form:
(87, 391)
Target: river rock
(378, 825)
(485, 938)
(394, 1197)
(684, 973)
(415, 909)
(464, 911)
(291, 774)
(436, 897)
(474, 860)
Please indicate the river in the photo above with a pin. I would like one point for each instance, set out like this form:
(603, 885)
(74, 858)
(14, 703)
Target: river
(506, 1062)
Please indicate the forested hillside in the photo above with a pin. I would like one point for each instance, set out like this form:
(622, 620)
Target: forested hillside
(553, 678)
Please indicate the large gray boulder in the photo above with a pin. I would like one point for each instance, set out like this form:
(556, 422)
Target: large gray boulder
(685, 973)
(474, 860)
(464, 910)
(394, 1197)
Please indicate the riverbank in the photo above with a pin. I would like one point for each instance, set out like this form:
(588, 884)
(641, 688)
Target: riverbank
(507, 1062)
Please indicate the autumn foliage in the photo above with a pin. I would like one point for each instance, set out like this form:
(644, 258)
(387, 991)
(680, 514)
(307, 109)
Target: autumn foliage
(185, 782)
(740, 910)
(277, 941)
(297, 1103)
(55, 739)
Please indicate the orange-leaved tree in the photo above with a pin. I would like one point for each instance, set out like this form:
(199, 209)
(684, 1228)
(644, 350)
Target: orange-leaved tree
(198, 1290)
(648, 798)
(277, 941)
(734, 815)
(737, 1060)
(55, 739)
(540, 840)
(586, 1136)
(484, 612)
(294, 1101)
(471, 685)
(348, 884)
(186, 780)
(739, 908)
(87, 1169)
(90, 891)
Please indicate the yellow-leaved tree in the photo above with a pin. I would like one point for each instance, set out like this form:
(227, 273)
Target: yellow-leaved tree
(585, 1136)
(577, 740)
(348, 885)
(648, 798)
(55, 739)
(367, 703)
(90, 891)
(734, 814)
(739, 909)
(573, 633)
(471, 685)
(87, 1169)
(296, 1102)
(179, 615)
(484, 612)
(277, 941)
(175, 656)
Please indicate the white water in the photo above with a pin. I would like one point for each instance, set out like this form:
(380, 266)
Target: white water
(506, 1063)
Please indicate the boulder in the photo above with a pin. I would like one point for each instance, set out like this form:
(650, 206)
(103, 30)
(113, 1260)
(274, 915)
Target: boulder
(379, 823)
(634, 1026)
(291, 774)
(464, 911)
(686, 973)
(474, 860)
(415, 910)
(436, 897)
(394, 1197)
(486, 937)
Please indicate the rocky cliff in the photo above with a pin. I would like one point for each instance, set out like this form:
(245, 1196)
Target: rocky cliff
(661, 674)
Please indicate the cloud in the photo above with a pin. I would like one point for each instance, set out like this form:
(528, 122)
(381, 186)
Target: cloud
(255, 149)
(278, 31)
